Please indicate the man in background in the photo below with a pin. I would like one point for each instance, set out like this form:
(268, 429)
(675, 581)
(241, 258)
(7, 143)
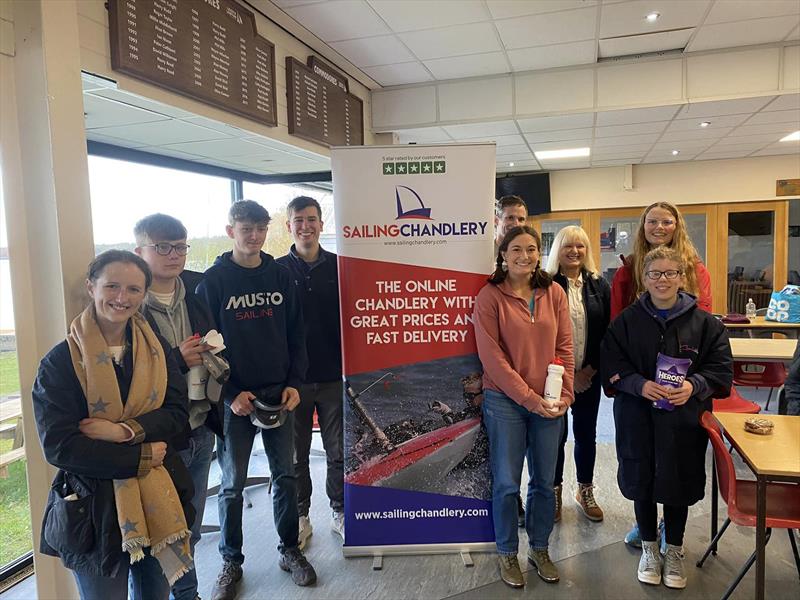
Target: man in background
(510, 212)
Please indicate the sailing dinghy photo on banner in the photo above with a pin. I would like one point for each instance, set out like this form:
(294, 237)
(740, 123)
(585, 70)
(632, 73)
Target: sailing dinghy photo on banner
(414, 230)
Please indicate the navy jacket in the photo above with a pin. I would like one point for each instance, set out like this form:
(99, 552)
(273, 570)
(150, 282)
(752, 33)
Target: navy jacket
(260, 316)
(597, 304)
(85, 533)
(318, 288)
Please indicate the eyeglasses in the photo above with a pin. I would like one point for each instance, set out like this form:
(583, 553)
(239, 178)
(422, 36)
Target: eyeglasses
(656, 275)
(656, 222)
(164, 248)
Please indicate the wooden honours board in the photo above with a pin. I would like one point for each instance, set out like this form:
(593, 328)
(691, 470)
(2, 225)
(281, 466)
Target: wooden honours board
(319, 110)
(205, 49)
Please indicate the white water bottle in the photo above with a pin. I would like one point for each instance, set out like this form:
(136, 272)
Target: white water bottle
(554, 381)
(750, 309)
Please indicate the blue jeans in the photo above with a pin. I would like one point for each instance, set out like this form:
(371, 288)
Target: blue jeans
(197, 458)
(233, 454)
(327, 398)
(146, 582)
(514, 433)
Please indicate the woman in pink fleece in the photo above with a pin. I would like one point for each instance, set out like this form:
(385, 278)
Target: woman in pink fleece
(522, 324)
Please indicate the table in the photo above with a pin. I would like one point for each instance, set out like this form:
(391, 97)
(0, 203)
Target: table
(763, 350)
(761, 324)
(773, 457)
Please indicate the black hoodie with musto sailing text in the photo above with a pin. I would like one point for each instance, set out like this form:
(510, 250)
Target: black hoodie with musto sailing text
(261, 319)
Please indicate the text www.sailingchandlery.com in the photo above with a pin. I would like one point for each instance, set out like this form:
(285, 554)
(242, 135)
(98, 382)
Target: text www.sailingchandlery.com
(423, 513)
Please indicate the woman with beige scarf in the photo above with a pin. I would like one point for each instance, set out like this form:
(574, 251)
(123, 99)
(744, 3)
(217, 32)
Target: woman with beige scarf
(108, 401)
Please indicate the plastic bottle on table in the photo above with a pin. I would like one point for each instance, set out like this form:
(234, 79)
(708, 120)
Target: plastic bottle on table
(750, 309)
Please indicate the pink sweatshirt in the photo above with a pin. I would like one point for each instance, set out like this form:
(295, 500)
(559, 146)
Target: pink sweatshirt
(514, 351)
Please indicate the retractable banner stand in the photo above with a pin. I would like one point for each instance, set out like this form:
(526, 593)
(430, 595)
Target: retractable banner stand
(414, 229)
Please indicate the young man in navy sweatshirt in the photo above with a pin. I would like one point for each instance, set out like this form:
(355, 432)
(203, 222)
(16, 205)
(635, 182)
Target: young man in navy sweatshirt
(317, 279)
(256, 308)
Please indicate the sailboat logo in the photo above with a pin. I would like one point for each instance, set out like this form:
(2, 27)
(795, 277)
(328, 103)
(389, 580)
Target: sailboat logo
(422, 212)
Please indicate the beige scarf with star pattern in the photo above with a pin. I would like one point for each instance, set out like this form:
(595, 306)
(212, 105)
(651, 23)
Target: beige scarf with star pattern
(149, 510)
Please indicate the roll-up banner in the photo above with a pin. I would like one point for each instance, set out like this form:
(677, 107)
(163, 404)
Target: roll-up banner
(414, 230)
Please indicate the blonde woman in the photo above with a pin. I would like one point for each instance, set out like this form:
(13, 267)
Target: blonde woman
(572, 266)
(661, 224)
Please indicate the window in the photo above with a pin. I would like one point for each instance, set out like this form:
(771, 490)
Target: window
(751, 258)
(124, 192)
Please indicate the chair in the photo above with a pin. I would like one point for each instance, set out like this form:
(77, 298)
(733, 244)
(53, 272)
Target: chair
(783, 501)
(734, 403)
(759, 374)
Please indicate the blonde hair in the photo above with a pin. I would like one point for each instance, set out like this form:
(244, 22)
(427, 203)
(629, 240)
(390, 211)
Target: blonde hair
(663, 253)
(680, 243)
(569, 234)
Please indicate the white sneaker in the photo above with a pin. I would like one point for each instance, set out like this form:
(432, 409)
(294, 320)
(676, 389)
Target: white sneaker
(674, 570)
(650, 564)
(337, 523)
(305, 531)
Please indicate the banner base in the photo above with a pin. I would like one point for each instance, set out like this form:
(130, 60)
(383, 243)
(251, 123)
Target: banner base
(416, 549)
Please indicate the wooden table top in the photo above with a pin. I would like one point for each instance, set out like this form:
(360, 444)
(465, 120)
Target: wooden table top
(764, 350)
(762, 323)
(775, 454)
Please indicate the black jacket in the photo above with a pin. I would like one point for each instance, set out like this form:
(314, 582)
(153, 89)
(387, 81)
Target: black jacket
(318, 288)
(85, 533)
(202, 321)
(661, 454)
(597, 304)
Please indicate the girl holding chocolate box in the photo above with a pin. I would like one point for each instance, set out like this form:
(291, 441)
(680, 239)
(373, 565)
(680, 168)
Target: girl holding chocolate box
(661, 452)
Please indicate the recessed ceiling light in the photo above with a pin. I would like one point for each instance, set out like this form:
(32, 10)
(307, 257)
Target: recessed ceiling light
(705, 123)
(792, 137)
(566, 153)
(652, 17)
(676, 152)
(511, 164)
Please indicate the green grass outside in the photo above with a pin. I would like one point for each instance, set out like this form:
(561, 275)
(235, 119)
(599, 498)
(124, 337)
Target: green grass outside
(15, 520)
(9, 373)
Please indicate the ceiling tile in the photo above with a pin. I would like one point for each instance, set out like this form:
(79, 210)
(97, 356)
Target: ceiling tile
(516, 149)
(557, 136)
(644, 43)
(695, 134)
(625, 140)
(423, 135)
(779, 129)
(616, 163)
(502, 141)
(777, 116)
(784, 102)
(628, 18)
(708, 155)
(722, 146)
(342, 20)
(762, 138)
(91, 134)
(636, 115)
(410, 72)
(739, 10)
(627, 149)
(475, 130)
(270, 143)
(170, 152)
(217, 126)
(139, 102)
(716, 123)
(368, 52)
(410, 15)
(473, 65)
(452, 41)
(585, 143)
(548, 57)
(226, 149)
(723, 107)
(100, 112)
(550, 28)
(742, 33)
(556, 122)
(505, 9)
(162, 132)
(682, 145)
(629, 155)
(666, 157)
(781, 148)
(575, 163)
(517, 157)
(632, 129)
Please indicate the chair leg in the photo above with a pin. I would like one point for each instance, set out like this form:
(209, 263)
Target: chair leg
(713, 543)
(794, 550)
(744, 570)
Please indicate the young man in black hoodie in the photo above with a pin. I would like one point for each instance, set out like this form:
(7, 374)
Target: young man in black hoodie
(182, 318)
(256, 307)
(316, 277)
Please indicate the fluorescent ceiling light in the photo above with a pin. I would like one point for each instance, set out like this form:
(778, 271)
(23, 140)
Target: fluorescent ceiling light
(652, 17)
(566, 153)
(792, 137)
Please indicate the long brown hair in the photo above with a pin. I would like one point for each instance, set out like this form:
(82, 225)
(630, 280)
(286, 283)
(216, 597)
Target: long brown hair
(680, 243)
(539, 278)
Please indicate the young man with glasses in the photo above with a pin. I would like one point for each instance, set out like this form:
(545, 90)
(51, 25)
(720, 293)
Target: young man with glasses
(182, 317)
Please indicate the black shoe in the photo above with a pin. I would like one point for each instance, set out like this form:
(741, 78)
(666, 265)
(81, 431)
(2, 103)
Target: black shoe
(225, 586)
(520, 512)
(294, 562)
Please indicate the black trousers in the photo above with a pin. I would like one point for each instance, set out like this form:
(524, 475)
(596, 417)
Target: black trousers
(674, 521)
(584, 428)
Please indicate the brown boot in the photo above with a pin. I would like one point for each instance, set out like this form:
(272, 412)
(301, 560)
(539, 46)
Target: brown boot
(585, 499)
(557, 490)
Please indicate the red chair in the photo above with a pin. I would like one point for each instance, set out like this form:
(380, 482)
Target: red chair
(783, 501)
(759, 374)
(735, 404)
